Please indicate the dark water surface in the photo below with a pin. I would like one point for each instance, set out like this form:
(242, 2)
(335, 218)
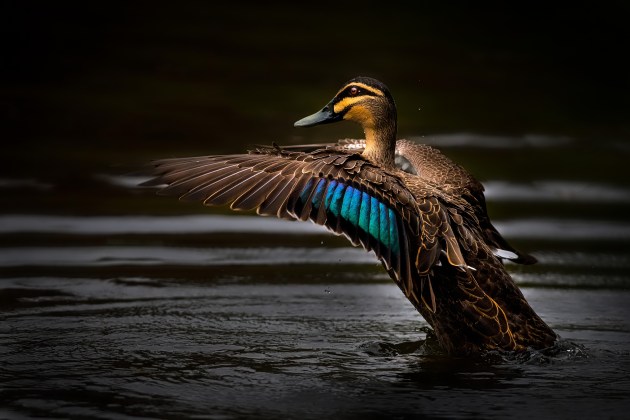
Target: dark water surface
(116, 303)
(222, 316)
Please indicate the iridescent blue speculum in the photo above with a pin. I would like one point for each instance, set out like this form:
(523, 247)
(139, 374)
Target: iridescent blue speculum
(356, 207)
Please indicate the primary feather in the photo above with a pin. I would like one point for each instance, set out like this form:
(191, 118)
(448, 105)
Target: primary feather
(425, 219)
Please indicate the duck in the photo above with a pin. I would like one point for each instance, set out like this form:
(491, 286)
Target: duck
(421, 214)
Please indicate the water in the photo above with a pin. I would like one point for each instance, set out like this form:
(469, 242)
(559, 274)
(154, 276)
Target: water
(215, 315)
(116, 303)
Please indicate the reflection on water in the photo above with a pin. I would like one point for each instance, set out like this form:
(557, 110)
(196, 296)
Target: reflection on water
(549, 191)
(153, 313)
(189, 224)
(96, 256)
(115, 303)
(208, 224)
(238, 347)
(493, 142)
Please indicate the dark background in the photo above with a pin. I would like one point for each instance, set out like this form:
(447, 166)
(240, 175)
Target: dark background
(92, 90)
(93, 84)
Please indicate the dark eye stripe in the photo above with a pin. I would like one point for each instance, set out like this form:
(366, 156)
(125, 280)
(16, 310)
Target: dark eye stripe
(360, 92)
(345, 93)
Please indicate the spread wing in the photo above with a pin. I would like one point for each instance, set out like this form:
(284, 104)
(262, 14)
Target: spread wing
(340, 191)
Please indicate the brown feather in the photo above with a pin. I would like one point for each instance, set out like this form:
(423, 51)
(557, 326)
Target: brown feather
(443, 261)
(257, 193)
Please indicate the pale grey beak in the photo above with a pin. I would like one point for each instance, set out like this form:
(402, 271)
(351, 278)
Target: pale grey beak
(325, 116)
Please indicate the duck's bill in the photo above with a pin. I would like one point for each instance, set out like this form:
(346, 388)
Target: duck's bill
(325, 116)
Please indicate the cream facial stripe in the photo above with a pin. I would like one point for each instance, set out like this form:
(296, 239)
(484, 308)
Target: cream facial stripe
(348, 102)
(361, 115)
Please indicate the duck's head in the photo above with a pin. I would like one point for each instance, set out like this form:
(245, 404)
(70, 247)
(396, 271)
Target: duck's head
(368, 102)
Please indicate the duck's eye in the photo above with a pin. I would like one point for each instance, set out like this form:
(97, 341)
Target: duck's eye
(354, 90)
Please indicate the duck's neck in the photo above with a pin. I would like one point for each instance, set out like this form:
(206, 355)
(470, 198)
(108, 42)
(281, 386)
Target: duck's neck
(380, 143)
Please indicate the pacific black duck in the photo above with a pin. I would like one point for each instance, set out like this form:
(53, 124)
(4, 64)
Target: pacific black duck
(427, 223)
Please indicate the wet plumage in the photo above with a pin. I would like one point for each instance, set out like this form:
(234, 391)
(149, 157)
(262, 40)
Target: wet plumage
(427, 223)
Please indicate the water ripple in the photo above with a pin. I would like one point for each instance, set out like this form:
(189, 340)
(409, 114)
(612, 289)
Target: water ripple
(116, 225)
(561, 191)
(152, 256)
(493, 142)
(546, 229)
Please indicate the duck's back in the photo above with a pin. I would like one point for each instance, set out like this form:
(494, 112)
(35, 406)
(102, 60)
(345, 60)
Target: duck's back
(430, 164)
(427, 162)
(436, 169)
